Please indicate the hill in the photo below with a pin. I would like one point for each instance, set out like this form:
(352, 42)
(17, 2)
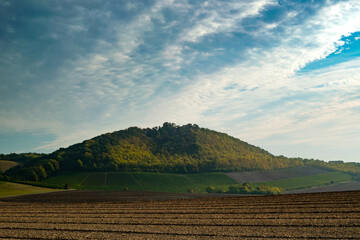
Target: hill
(166, 149)
(169, 148)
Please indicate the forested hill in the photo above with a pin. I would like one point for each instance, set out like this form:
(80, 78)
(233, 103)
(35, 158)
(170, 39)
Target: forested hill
(170, 148)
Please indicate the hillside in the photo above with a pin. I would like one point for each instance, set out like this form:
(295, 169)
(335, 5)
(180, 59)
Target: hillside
(140, 181)
(169, 148)
(273, 175)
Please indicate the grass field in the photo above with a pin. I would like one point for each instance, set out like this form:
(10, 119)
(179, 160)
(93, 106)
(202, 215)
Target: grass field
(14, 189)
(168, 182)
(273, 175)
(5, 165)
(163, 182)
(343, 186)
(308, 181)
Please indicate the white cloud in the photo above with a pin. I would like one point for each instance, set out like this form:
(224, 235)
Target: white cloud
(173, 56)
(218, 18)
(211, 18)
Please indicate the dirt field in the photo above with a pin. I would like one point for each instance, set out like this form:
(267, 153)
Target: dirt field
(334, 215)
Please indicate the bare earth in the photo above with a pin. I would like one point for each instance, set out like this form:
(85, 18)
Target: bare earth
(266, 176)
(334, 215)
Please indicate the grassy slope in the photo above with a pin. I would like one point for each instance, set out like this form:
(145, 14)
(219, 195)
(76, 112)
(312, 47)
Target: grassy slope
(5, 165)
(273, 175)
(167, 182)
(163, 182)
(343, 186)
(308, 181)
(14, 189)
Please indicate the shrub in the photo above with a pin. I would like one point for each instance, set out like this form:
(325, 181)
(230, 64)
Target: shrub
(246, 188)
(189, 190)
(210, 189)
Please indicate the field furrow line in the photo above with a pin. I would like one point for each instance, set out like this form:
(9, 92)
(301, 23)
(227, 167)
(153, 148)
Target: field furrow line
(263, 211)
(247, 232)
(349, 216)
(217, 206)
(309, 225)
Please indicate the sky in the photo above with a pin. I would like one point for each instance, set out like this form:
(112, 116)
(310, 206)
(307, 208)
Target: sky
(283, 75)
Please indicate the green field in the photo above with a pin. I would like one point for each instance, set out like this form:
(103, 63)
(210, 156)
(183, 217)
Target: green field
(163, 182)
(308, 181)
(13, 189)
(168, 182)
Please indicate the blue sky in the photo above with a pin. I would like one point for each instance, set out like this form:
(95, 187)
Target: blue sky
(283, 75)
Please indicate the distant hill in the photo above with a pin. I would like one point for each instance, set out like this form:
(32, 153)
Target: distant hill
(169, 148)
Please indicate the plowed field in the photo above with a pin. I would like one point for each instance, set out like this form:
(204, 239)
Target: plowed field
(333, 215)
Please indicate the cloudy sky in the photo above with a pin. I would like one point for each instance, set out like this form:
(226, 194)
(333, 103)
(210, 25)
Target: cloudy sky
(283, 75)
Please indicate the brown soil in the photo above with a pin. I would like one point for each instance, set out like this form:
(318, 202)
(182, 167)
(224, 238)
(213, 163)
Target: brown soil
(334, 215)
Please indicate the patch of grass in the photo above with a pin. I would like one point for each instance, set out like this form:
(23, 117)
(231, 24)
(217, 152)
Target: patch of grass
(40, 184)
(162, 182)
(13, 189)
(308, 181)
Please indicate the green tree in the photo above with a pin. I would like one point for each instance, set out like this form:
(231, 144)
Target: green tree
(30, 174)
(40, 171)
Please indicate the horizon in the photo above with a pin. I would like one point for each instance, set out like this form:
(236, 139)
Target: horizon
(281, 75)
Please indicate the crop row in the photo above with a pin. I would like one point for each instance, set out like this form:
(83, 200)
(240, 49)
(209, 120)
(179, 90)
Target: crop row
(169, 220)
(220, 231)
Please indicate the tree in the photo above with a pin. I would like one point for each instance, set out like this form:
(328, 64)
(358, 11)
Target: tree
(49, 167)
(30, 174)
(40, 171)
